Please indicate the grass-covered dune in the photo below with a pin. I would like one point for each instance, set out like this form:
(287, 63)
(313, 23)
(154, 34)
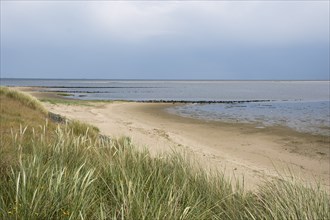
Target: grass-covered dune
(69, 171)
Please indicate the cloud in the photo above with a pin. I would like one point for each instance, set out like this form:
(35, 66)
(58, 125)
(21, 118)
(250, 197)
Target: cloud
(133, 20)
(250, 22)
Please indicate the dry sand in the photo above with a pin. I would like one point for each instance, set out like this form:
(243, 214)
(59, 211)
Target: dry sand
(239, 149)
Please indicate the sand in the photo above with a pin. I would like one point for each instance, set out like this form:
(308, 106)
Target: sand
(239, 149)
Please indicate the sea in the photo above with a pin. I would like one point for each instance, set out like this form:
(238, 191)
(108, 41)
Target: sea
(303, 106)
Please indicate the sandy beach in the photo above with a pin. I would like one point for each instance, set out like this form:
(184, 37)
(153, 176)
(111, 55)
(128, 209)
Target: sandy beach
(239, 149)
(242, 150)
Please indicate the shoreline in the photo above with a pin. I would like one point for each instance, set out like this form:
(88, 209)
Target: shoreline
(240, 149)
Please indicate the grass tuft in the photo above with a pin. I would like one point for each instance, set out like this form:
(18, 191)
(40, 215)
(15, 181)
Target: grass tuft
(23, 98)
(81, 128)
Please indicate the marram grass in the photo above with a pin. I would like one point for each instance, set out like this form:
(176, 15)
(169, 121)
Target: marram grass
(23, 98)
(78, 177)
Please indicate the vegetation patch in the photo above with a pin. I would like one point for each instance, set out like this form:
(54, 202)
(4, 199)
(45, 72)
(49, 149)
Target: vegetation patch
(23, 98)
(64, 94)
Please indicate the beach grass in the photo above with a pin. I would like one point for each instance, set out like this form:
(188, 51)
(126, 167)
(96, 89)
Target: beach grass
(20, 113)
(80, 128)
(70, 171)
(23, 98)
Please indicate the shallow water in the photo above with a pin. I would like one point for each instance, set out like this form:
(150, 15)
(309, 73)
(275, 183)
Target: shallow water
(310, 117)
(300, 105)
(183, 90)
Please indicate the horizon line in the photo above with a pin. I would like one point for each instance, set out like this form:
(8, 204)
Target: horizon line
(135, 79)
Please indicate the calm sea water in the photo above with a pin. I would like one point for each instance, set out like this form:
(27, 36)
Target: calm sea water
(300, 105)
(303, 116)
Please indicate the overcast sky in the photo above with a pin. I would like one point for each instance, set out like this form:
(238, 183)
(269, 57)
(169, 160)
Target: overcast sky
(165, 40)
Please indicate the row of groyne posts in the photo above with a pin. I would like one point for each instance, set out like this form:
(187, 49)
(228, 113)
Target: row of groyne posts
(203, 101)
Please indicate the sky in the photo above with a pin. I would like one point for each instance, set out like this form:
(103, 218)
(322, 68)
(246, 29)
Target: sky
(224, 40)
